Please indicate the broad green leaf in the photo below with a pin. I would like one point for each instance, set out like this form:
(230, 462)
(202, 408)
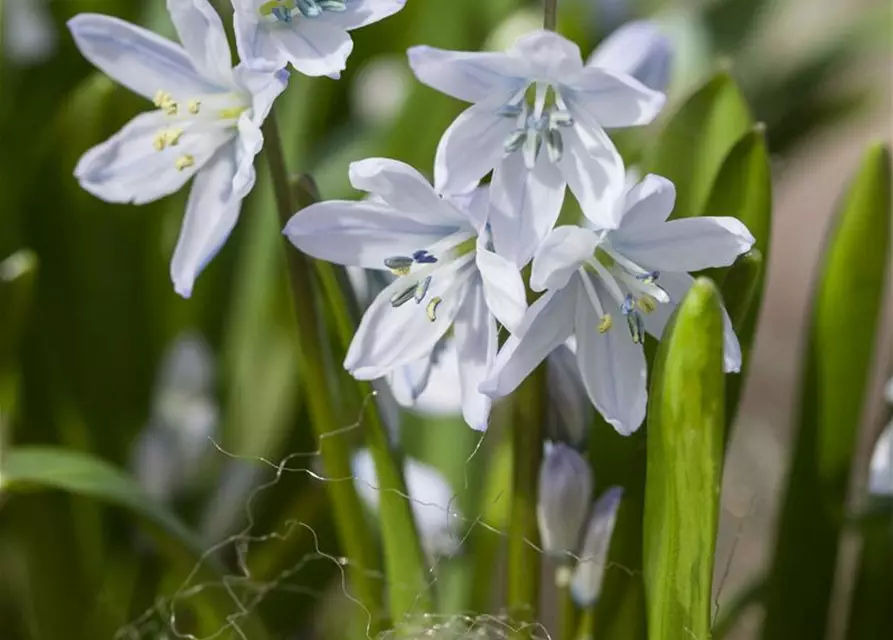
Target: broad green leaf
(686, 424)
(840, 348)
(38, 468)
(696, 140)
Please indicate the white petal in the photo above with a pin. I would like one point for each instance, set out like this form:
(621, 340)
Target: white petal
(564, 251)
(254, 42)
(503, 288)
(565, 489)
(314, 48)
(470, 148)
(362, 234)
(880, 475)
(409, 381)
(204, 39)
(524, 205)
(128, 168)
(570, 412)
(638, 49)
(473, 77)
(688, 244)
(405, 189)
(140, 60)
(612, 365)
(264, 86)
(475, 204)
(586, 583)
(476, 343)
(548, 323)
(390, 337)
(599, 98)
(550, 56)
(594, 172)
(648, 204)
(443, 394)
(360, 13)
(211, 214)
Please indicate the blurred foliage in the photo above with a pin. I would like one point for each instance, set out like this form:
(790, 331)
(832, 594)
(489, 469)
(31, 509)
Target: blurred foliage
(89, 553)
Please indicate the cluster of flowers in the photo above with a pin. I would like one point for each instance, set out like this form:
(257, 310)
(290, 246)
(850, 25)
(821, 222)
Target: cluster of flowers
(457, 249)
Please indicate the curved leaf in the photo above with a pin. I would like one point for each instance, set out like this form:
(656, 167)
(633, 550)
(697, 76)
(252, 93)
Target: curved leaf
(685, 454)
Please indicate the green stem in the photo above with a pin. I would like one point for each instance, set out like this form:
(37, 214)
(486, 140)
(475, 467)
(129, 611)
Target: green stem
(567, 612)
(550, 15)
(354, 535)
(523, 534)
(586, 630)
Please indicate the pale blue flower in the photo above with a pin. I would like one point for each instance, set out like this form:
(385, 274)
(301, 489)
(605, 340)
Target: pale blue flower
(206, 125)
(586, 581)
(565, 491)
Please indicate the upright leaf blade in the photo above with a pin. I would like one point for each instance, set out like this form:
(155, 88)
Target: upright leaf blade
(840, 349)
(697, 139)
(685, 454)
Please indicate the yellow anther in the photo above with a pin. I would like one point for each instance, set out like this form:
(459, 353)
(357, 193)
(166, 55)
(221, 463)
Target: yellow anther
(194, 106)
(431, 309)
(170, 108)
(184, 162)
(161, 98)
(160, 142)
(605, 324)
(401, 271)
(172, 137)
(646, 303)
(231, 113)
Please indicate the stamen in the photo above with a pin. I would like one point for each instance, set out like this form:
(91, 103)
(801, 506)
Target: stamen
(402, 297)
(510, 110)
(554, 145)
(309, 8)
(431, 309)
(649, 278)
(423, 256)
(605, 324)
(160, 141)
(281, 14)
(646, 303)
(173, 136)
(421, 289)
(399, 265)
(184, 162)
(231, 113)
(194, 106)
(161, 98)
(633, 320)
(515, 140)
(333, 5)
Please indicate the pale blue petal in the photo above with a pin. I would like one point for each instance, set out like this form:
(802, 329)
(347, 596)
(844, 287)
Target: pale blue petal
(503, 287)
(562, 253)
(254, 42)
(648, 204)
(469, 76)
(204, 39)
(550, 56)
(599, 98)
(594, 172)
(586, 583)
(476, 341)
(638, 49)
(361, 13)
(314, 48)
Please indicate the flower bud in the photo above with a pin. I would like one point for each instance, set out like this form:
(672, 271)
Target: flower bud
(565, 489)
(570, 411)
(880, 474)
(586, 583)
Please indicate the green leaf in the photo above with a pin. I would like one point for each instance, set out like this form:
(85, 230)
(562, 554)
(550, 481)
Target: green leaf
(685, 454)
(870, 603)
(696, 141)
(841, 345)
(40, 468)
(17, 275)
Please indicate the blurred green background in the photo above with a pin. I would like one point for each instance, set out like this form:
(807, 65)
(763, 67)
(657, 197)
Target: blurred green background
(87, 373)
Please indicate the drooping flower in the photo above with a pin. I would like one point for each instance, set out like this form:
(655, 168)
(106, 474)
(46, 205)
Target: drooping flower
(312, 35)
(586, 582)
(448, 275)
(431, 499)
(565, 489)
(633, 275)
(538, 120)
(206, 125)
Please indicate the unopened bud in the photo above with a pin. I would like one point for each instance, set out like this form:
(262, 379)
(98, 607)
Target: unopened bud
(586, 584)
(565, 489)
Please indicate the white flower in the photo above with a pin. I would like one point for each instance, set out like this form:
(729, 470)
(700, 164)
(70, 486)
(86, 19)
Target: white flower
(448, 275)
(565, 489)
(312, 35)
(639, 49)
(586, 583)
(206, 124)
(538, 119)
(430, 496)
(636, 275)
(431, 386)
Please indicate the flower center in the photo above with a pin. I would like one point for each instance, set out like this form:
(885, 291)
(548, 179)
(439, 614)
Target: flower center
(417, 272)
(633, 288)
(190, 113)
(286, 11)
(540, 115)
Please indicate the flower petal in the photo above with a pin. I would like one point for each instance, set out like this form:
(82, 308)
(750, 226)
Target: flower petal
(211, 213)
(314, 48)
(550, 56)
(136, 58)
(476, 343)
(612, 366)
(264, 86)
(688, 244)
(405, 189)
(360, 13)
(638, 49)
(390, 337)
(564, 251)
(204, 39)
(254, 41)
(586, 583)
(470, 148)
(594, 172)
(363, 234)
(648, 204)
(548, 323)
(524, 205)
(503, 287)
(473, 77)
(128, 168)
(409, 381)
(599, 98)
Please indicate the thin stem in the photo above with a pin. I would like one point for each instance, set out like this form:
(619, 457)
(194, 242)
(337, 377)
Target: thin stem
(355, 536)
(550, 14)
(567, 613)
(586, 630)
(527, 447)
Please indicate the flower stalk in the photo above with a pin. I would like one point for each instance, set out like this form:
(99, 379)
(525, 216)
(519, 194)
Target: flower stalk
(550, 15)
